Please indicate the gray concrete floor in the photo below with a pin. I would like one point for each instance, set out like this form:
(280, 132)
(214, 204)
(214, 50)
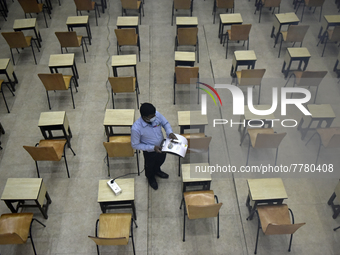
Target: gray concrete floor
(74, 210)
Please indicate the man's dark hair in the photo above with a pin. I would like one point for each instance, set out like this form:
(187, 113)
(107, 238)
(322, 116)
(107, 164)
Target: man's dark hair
(147, 109)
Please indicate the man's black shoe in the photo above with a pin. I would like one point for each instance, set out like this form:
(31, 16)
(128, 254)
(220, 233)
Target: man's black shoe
(153, 184)
(162, 174)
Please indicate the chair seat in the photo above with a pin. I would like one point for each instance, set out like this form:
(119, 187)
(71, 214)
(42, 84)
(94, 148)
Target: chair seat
(138, 4)
(58, 145)
(273, 214)
(28, 40)
(120, 139)
(15, 223)
(205, 197)
(79, 38)
(284, 35)
(40, 6)
(115, 225)
(1, 81)
(67, 80)
(326, 134)
(254, 131)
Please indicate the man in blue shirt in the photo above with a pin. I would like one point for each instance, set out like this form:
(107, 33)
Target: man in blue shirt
(146, 135)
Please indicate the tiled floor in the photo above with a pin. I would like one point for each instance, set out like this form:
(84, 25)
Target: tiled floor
(74, 208)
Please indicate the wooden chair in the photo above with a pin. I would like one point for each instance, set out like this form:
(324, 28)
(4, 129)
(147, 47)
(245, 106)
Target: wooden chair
(307, 79)
(330, 36)
(223, 4)
(264, 138)
(197, 143)
(18, 40)
(237, 33)
(57, 81)
(275, 220)
(127, 37)
(187, 37)
(71, 39)
(16, 228)
(268, 4)
(329, 138)
(32, 6)
(119, 146)
(181, 4)
(3, 95)
(183, 75)
(133, 5)
(310, 4)
(200, 205)
(295, 33)
(87, 5)
(250, 77)
(49, 150)
(123, 85)
(114, 229)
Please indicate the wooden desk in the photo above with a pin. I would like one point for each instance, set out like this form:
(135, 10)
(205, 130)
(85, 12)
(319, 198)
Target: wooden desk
(228, 20)
(329, 21)
(266, 120)
(124, 61)
(185, 58)
(282, 19)
(182, 22)
(295, 54)
(28, 24)
(128, 22)
(108, 200)
(22, 190)
(336, 208)
(191, 120)
(270, 190)
(243, 58)
(320, 113)
(79, 21)
(6, 68)
(118, 118)
(55, 121)
(63, 61)
(192, 178)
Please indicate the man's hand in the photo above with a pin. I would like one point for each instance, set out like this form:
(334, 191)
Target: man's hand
(158, 149)
(172, 136)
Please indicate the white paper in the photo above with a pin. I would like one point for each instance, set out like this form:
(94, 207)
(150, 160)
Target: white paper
(178, 147)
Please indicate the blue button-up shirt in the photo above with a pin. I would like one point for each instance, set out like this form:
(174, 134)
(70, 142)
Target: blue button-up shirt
(145, 136)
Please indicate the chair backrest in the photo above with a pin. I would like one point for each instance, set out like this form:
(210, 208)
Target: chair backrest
(68, 39)
(185, 74)
(198, 143)
(251, 77)
(203, 211)
(126, 36)
(122, 84)
(187, 36)
(314, 3)
(296, 33)
(284, 229)
(311, 78)
(182, 4)
(53, 81)
(334, 141)
(14, 227)
(83, 5)
(42, 153)
(109, 241)
(269, 140)
(15, 39)
(240, 32)
(225, 4)
(335, 34)
(271, 3)
(30, 6)
(119, 146)
(129, 4)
